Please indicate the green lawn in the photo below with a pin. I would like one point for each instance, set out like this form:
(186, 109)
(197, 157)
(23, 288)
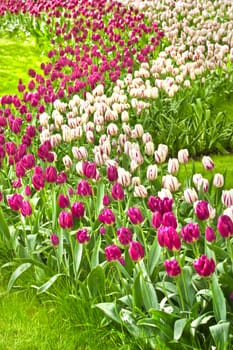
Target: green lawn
(17, 55)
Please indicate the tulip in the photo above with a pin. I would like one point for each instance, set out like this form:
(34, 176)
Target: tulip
(190, 195)
(89, 169)
(124, 235)
(201, 209)
(225, 226)
(26, 209)
(210, 235)
(173, 166)
(169, 219)
(170, 182)
(65, 219)
(106, 200)
(169, 238)
(183, 156)
(117, 192)
(172, 267)
(190, 232)
(84, 188)
(78, 209)
(227, 198)
(82, 236)
(54, 239)
(207, 163)
(152, 172)
(38, 181)
(107, 216)
(135, 215)
(112, 252)
(63, 200)
(218, 181)
(204, 266)
(112, 173)
(136, 251)
(15, 201)
(156, 219)
(51, 174)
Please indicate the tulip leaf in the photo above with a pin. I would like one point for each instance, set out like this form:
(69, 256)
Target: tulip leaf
(219, 303)
(18, 272)
(96, 281)
(78, 250)
(4, 229)
(220, 334)
(154, 256)
(110, 310)
(179, 327)
(95, 253)
(48, 284)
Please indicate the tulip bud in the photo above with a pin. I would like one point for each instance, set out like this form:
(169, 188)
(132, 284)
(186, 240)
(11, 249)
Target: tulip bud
(124, 235)
(173, 166)
(112, 252)
(183, 156)
(207, 163)
(190, 195)
(136, 251)
(65, 219)
(210, 235)
(201, 209)
(172, 267)
(135, 215)
(225, 226)
(152, 172)
(170, 182)
(227, 197)
(218, 181)
(149, 148)
(54, 239)
(204, 266)
(140, 191)
(82, 236)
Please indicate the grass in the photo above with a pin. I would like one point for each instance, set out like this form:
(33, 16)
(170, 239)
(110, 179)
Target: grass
(17, 55)
(29, 323)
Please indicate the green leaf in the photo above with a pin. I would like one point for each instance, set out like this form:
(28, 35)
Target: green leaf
(220, 334)
(95, 253)
(78, 250)
(48, 284)
(154, 256)
(110, 310)
(96, 281)
(179, 327)
(4, 230)
(99, 197)
(20, 269)
(148, 293)
(130, 323)
(219, 302)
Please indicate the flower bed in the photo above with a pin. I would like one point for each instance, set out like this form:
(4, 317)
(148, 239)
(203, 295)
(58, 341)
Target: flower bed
(90, 189)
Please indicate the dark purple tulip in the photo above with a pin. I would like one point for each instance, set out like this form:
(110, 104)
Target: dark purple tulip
(65, 219)
(172, 267)
(202, 210)
(136, 251)
(82, 236)
(135, 215)
(78, 209)
(225, 226)
(190, 232)
(124, 235)
(204, 266)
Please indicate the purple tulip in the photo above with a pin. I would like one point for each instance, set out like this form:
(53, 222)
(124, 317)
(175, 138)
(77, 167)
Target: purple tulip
(135, 215)
(63, 200)
(204, 266)
(172, 267)
(107, 216)
(124, 235)
(117, 192)
(54, 239)
(26, 209)
(78, 209)
(169, 238)
(225, 226)
(201, 209)
(112, 252)
(190, 232)
(82, 236)
(136, 251)
(65, 219)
